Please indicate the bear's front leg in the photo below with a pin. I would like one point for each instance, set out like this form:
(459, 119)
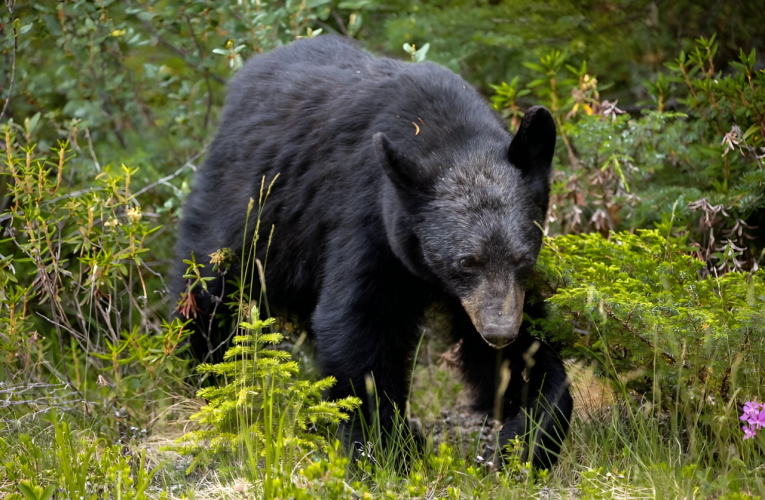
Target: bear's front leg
(536, 403)
(543, 401)
(366, 329)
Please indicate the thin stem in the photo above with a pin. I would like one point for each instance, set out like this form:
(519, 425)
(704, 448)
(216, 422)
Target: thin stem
(13, 65)
(206, 72)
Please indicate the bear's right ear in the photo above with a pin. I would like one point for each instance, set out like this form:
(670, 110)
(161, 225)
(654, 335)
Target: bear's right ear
(532, 148)
(405, 173)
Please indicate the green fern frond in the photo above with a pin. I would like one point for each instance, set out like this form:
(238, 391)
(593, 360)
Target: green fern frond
(257, 378)
(271, 338)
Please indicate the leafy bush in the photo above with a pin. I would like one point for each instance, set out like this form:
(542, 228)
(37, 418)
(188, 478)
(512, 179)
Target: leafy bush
(73, 265)
(615, 171)
(488, 41)
(638, 305)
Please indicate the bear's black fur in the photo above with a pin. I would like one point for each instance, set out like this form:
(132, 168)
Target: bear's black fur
(398, 186)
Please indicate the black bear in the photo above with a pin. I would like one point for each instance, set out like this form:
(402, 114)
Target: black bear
(398, 186)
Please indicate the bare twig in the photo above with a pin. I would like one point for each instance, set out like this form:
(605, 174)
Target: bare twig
(10, 4)
(340, 23)
(155, 273)
(327, 27)
(640, 337)
(5, 403)
(90, 146)
(53, 396)
(217, 301)
(207, 71)
(52, 299)
(188, 164)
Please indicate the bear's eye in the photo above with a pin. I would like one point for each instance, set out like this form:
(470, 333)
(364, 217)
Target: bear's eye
(469, 262)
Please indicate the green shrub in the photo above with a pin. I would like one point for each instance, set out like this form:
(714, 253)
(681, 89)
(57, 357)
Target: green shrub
(703, 166)
(75, 304)
(639, 305)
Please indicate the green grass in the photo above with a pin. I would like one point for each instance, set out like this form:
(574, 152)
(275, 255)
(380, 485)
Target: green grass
(618, 447)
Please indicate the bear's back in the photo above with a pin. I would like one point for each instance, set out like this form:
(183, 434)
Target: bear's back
(322, 70)
(306, 68)
(307, 112)
(327, 50)
(325, 91)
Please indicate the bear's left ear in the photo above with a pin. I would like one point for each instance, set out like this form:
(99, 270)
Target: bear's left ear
(532, 148)
(403, 171)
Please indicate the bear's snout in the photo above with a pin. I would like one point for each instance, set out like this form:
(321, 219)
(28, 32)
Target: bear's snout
(496, 310)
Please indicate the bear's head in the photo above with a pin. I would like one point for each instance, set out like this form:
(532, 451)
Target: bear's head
(468, 216)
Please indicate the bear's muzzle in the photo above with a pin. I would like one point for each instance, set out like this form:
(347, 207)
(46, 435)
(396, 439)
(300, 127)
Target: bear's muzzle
(496, 310)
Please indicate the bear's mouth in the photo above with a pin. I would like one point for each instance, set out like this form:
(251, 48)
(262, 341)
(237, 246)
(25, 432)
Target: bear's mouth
(500, 346)
(496, 311)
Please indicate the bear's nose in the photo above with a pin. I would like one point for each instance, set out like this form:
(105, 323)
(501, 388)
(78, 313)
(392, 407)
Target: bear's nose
(499, 335)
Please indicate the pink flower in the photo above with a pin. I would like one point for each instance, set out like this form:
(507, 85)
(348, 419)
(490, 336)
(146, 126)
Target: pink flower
(748, 432)
(754, 415)
(752, 407)
(758, 420)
